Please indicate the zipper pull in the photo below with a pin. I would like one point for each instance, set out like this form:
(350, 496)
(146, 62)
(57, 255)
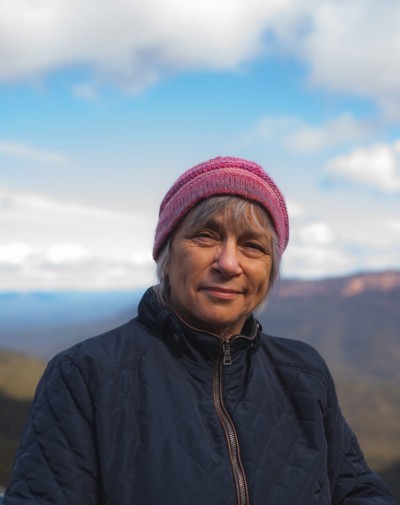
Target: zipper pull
(226, 347)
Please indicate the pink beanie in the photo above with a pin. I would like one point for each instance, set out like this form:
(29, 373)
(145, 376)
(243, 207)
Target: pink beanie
(221, 176)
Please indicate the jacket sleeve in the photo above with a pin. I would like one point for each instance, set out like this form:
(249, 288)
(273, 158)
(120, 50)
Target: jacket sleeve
(56, 463)
(352, 481)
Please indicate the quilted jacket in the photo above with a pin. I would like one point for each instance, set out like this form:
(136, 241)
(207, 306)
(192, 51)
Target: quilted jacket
(157, 413)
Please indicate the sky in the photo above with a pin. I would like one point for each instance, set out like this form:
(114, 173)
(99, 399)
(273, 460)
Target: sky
(103, 104)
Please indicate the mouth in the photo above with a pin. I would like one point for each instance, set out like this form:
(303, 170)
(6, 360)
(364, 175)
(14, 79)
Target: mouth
(221, 293)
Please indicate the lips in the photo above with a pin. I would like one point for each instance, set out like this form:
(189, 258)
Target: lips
(221, 293)
(222, 290)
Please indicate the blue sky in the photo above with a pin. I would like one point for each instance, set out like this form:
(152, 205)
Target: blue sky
(103, 104)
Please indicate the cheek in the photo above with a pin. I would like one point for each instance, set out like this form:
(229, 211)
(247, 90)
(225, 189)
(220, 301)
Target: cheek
(176, 275)
(261, 277)
(180, 269)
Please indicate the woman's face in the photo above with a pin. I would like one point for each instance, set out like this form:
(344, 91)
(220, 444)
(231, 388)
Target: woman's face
(219, 273)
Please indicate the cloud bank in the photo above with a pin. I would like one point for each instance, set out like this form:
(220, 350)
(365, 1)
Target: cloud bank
(52, 244)
(131, 43)
(347, 47)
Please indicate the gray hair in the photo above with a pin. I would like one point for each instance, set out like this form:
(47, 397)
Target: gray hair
(243, 211)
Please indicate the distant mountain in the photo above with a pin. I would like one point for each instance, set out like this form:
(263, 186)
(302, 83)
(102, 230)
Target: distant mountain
(43, 323)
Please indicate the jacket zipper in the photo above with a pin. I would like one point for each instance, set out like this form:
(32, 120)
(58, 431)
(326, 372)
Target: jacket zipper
(239, 476)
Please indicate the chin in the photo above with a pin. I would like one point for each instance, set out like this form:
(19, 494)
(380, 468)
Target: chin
(218, 322)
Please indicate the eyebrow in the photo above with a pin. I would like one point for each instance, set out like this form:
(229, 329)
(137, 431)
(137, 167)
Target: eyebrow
(216, 223)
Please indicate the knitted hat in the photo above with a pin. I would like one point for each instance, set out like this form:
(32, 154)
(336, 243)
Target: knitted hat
(221, 176)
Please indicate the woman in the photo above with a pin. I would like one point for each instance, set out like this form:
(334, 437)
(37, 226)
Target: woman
(190, 403)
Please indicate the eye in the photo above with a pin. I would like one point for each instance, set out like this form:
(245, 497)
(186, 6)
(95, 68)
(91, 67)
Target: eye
(205, 237)
(255, 247)
(204, 234)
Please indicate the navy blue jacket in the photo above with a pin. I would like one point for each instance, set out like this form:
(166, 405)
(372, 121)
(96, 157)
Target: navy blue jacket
(149, 414)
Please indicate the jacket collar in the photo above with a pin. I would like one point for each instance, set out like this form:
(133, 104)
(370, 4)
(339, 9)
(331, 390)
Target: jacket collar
(195, 346)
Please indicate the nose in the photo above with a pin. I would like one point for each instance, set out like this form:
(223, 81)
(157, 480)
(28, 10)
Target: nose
(226, 260)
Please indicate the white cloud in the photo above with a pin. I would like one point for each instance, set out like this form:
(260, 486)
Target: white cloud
(30, 153)
(313, 261)
(393, 225)
(19, 205)
(315, 233)
(377, 166)
(63, 267)
(294, 134)
(314, 252)
(353, 47)
(67, 253)
(14, 253)
(342, 130)
(350, 239)
(295, 210)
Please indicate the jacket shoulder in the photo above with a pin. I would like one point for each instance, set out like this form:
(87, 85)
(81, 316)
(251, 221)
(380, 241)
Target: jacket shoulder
(285, 352)
(99, 358)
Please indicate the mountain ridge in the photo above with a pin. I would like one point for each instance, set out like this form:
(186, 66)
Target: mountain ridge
(353, 321)
(345, 286)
